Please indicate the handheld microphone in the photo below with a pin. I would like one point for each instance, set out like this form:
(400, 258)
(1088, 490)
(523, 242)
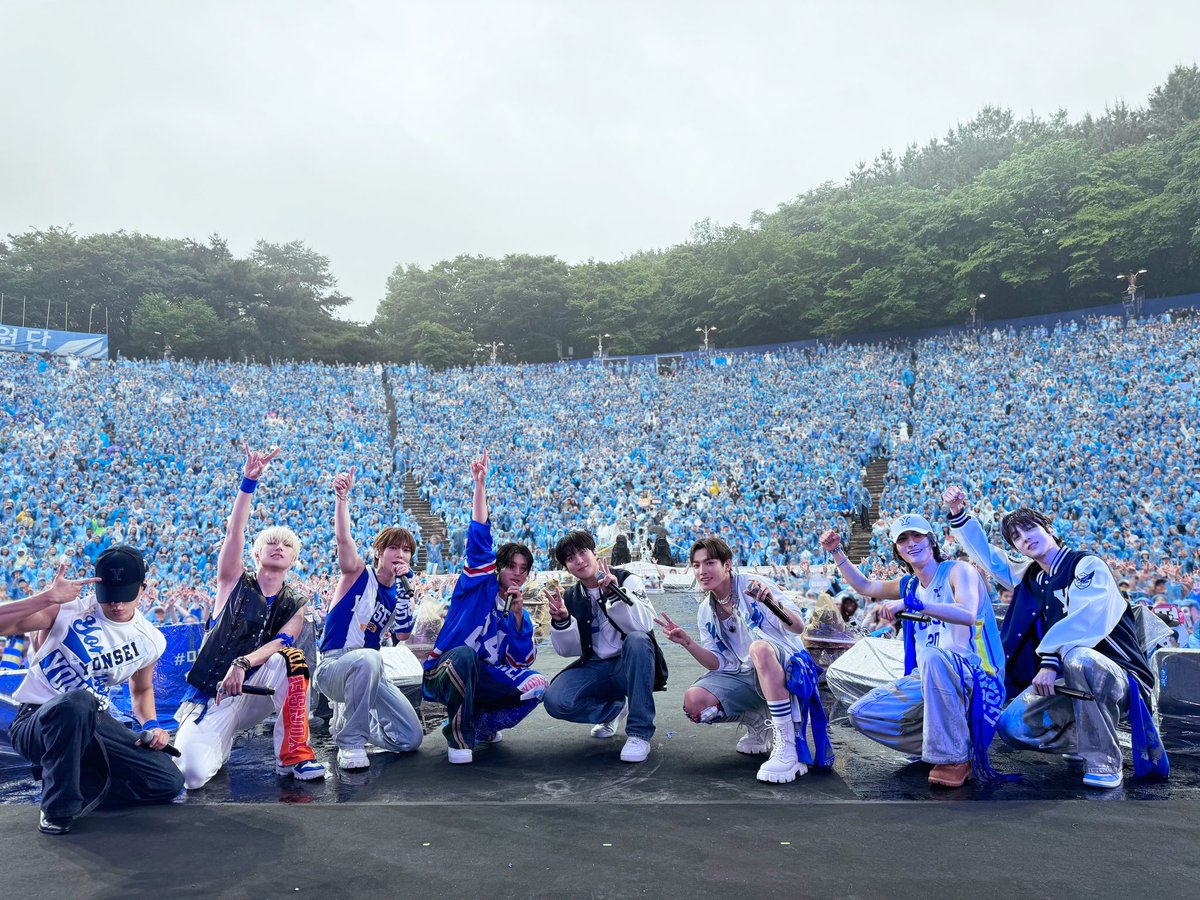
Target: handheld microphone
(914, 617)
(144, 738)
(258, 690)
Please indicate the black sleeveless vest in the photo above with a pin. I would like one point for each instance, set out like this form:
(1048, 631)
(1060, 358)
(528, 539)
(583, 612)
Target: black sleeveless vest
(245, 624)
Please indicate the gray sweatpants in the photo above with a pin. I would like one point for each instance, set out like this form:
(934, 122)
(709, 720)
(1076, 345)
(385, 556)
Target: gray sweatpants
(1061, 725)
(925, 714)
(367, 707)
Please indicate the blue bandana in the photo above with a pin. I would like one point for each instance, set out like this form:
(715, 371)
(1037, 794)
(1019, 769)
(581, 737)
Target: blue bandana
(802, 675)
(1149, 754)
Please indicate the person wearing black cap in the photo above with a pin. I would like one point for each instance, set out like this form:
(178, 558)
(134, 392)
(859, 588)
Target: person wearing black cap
(89, 647)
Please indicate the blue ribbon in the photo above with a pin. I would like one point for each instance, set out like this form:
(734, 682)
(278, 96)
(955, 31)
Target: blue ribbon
(802, 677)
(1149, 754)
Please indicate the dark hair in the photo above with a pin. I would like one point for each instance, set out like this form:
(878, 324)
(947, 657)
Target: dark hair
(934, 548)
(506, 553)
(572, 543)
(394, 536)
(714, 547)
(1024, 519)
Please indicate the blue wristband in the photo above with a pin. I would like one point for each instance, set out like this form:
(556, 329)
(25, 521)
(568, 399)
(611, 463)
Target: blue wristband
(150, 725)
(249, 484)
(286, 639)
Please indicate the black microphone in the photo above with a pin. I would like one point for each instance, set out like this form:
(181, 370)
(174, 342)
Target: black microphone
(1072, 693)
(913, 617)
(614, 591)
(144, 738)
(258, 690)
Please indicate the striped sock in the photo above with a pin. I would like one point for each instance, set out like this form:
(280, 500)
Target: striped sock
(781, 710)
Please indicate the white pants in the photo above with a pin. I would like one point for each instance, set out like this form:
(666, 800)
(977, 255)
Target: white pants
(205, 736)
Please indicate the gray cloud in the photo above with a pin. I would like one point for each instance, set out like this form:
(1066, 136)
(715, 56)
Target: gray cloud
(383, 133)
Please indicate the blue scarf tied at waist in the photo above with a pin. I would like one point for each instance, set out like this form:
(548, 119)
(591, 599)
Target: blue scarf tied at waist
(802, 676)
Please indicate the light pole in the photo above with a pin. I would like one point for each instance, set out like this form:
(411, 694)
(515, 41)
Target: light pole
(975, 309)
(706, 330)
(1134, 305)
(600, 345)
(91, 309)
(494, 345)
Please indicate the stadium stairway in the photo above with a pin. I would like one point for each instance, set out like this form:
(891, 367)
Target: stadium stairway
(430, 523)
(860, 538)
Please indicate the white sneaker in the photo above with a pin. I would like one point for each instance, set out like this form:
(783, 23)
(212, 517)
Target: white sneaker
(458, 757)
(635, 750)
(605, 730)
(783, 766)
(494, 738)
(757, 738)
(353, 758)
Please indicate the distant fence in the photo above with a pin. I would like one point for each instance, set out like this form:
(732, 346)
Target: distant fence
(1154, 307)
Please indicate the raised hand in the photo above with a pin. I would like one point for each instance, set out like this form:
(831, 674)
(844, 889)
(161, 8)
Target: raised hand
(955, 499)
(343, 483)
(479, 469)
(64, 590)
(554, 599)
(831, 541)
(604, 577)
(676, 634)
(257, 462)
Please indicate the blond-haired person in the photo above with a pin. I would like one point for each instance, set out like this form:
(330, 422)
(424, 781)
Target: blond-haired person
(249, 641)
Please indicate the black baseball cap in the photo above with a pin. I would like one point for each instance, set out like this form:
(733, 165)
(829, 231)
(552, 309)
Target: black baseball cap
(122, 572)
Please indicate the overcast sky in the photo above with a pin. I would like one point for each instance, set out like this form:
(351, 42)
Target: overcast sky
(398, 132)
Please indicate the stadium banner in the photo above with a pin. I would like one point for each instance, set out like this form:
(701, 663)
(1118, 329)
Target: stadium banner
(169, 685)
(59, 343)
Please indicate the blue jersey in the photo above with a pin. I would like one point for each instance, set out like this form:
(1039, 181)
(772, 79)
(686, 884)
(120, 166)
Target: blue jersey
(366, 614)
(476, 618)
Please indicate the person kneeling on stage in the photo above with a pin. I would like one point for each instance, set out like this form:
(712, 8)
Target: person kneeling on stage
(1067, 621)
(368, 604)
(752, 656)
(64, 727)
(605, 620)
(250, 640)
(946, 710)
(481, 663)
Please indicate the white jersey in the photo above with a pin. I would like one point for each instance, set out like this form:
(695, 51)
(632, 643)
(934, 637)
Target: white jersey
(954, 638)
(86, 649)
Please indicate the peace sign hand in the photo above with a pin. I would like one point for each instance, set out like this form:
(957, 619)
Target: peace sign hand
(64, 590)
(672, 632)
(257, 462)
(605, 577)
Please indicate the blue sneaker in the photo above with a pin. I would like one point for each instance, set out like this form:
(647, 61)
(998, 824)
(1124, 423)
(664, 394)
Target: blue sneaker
(1093, 780)
(309, 770)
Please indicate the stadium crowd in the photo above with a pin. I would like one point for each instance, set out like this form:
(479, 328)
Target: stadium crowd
(1093, 423)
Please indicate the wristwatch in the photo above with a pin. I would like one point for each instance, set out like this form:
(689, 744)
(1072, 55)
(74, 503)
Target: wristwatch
(242, 663)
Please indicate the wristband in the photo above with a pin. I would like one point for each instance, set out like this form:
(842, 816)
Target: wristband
(242, 663)
(249, 484)
(286, 639)
(150, 725)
